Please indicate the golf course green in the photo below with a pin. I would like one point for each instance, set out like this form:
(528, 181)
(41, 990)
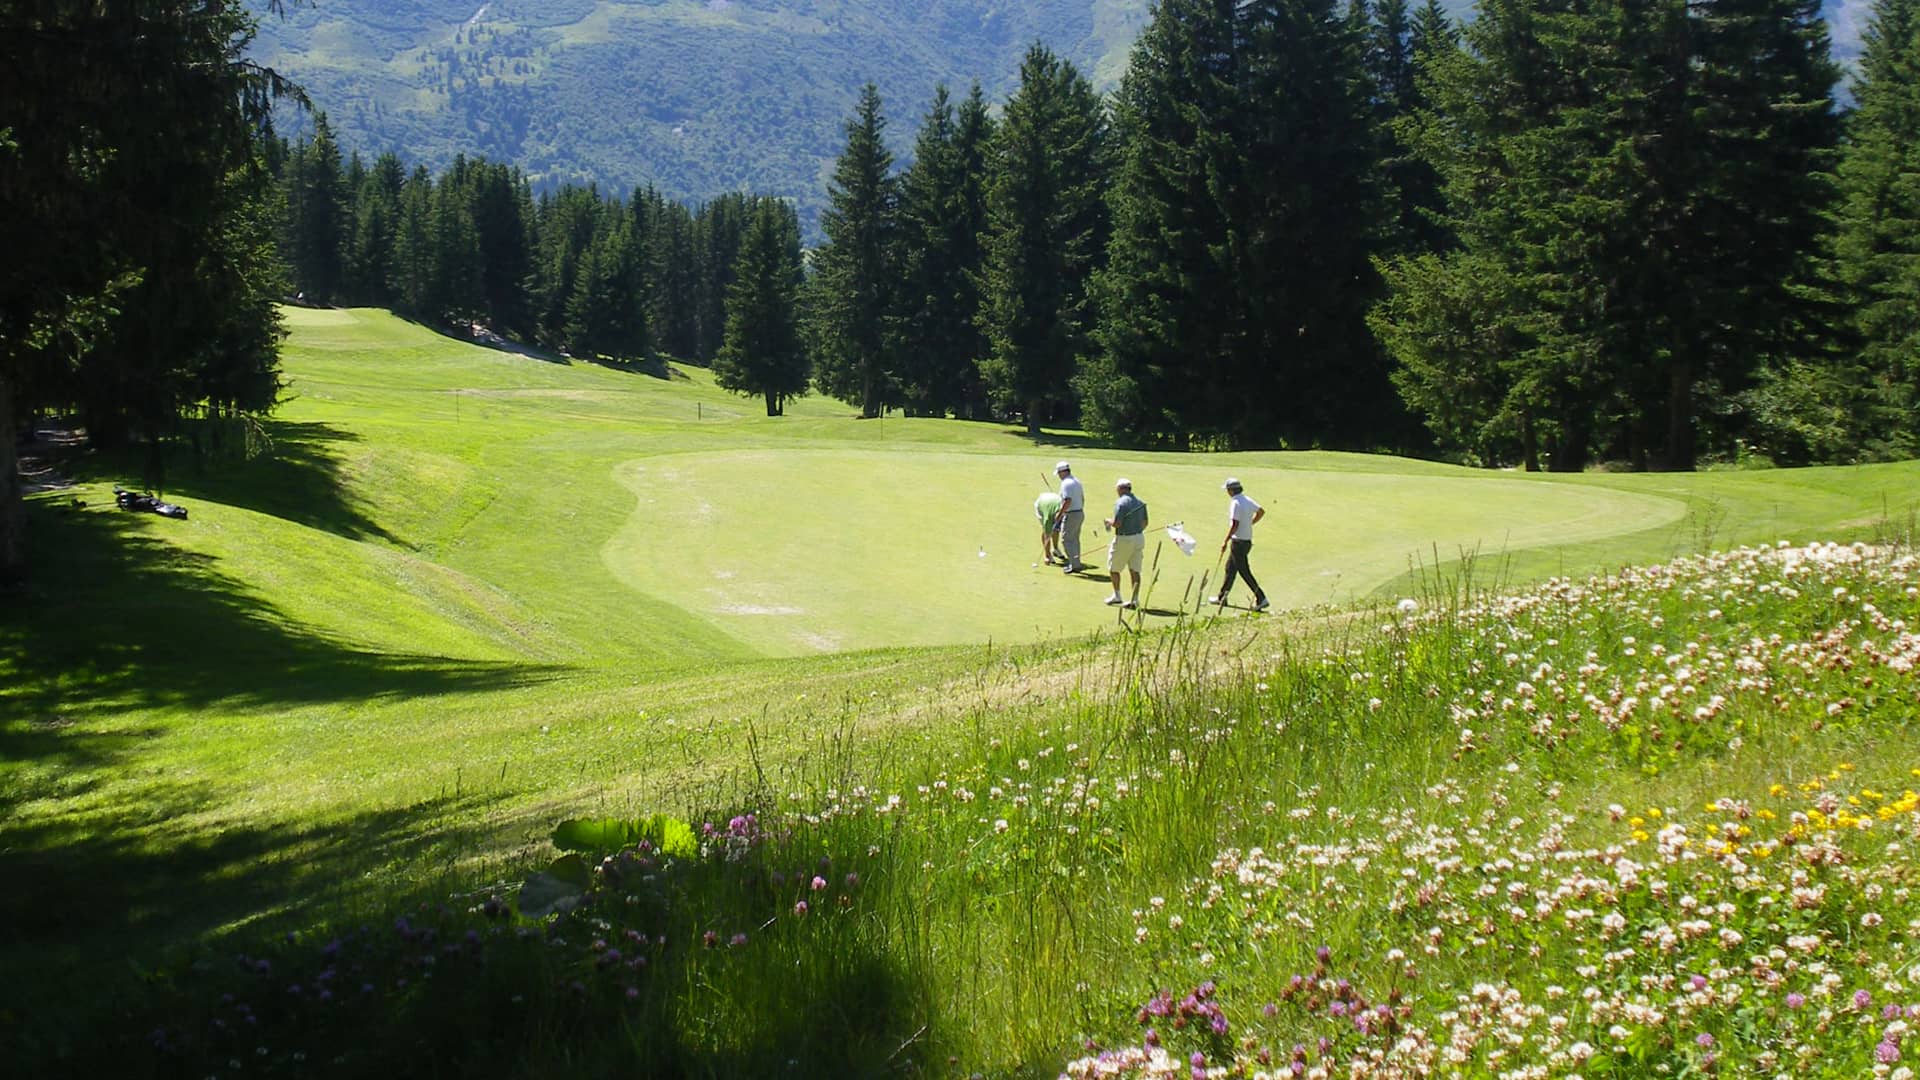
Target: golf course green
(469, 591)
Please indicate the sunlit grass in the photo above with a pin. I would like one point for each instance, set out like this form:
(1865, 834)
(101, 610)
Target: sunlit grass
(471, 593)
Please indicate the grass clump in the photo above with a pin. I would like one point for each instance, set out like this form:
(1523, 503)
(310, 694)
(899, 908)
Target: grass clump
(1658, 822)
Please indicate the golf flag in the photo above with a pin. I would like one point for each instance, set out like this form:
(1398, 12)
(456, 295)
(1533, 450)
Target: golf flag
(1179, 536)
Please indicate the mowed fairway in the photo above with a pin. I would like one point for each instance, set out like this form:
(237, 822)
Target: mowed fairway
(472, 591)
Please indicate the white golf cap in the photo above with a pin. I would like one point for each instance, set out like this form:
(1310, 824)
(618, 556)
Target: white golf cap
(1063, 467)
(1123, 482)
(1232, 484)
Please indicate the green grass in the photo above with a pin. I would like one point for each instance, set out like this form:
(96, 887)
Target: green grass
(473, 592)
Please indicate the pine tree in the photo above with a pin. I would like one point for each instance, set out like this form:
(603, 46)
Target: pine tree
(718, 227)
(762, 354)
(671, 268)
(501, 206)
(371, 249)
(1046, 235)
(1167, 296)
(457, 291)
(1501, 127)
(1642, 180)
(316, 215)
(1245, 217)
(413, 248)
(1864, 406)
(942, 215)
(126, 201)
(1752, 208)
(853, 278)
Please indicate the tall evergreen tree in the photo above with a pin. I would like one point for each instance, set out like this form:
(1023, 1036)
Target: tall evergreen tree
(671, 268)
(129, 128)
(763, 354)
(414, 255)
(316, 203)
(1644, 178)
(501, 206)
(853, 277)
(1866, 406)
(1046, 235)
(371, 243)
(1167, 296)
(458, 287)
(1245, 217)
(1752, 208)
(942, 216)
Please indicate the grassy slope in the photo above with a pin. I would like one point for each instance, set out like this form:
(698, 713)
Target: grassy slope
(466, 596)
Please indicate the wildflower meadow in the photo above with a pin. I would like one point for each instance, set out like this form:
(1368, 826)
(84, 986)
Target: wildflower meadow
(1655, 823)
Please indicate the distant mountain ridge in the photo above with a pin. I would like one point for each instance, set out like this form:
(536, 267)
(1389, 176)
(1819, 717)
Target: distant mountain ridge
(696, 97)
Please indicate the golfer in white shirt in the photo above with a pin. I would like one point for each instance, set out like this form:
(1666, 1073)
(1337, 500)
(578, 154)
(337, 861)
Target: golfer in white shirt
(1242, 514)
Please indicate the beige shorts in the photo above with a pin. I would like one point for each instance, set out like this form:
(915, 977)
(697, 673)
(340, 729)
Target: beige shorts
(1127, 551)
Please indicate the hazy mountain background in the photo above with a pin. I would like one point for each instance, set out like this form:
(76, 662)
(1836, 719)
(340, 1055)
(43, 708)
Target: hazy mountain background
(696, 97)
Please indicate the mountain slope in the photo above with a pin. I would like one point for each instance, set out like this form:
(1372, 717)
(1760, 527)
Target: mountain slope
(696, 97)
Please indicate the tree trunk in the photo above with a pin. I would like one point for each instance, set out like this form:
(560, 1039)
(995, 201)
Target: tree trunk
(773, 403)
(869, 392)
(1033, 419)
(1570, 452)
(13, 512)
(1529, 444)
(1680, 449)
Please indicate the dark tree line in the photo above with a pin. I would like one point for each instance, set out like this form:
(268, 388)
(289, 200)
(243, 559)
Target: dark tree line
(1566, 232)
(1625, 230)
(1637, 192)
(573, 269)
(138, 219)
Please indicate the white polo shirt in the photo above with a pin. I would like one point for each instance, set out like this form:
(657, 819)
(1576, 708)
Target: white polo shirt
(1242, 510)
(1070, 489)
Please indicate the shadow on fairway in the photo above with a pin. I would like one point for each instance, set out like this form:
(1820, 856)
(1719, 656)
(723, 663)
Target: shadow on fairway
(115, 618)
(93, 903)
(1058, 440)
(298, 481)
(490, 340)
(657, 368)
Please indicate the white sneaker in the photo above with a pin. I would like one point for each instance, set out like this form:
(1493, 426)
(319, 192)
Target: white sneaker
(1262, 606)
(1114, 600)
(1131, 604)
(1218, 601)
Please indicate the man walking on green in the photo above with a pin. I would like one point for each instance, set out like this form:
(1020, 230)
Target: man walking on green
(1129, 546)
(1242, 513)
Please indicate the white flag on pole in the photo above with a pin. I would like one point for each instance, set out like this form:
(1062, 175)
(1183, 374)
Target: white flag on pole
(1179, 536)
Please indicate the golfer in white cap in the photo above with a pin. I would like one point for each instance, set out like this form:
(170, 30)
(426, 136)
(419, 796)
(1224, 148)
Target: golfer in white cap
(1242, 513)
(1129, 546)
(1073, 514)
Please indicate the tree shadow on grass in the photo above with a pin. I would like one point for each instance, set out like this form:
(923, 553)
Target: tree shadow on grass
(1058, 439)
(116, 618)
(95, 902)
(298, 480)
(481, 337)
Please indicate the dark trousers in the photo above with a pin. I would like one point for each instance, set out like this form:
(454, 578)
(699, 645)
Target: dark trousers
(1237, 567)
